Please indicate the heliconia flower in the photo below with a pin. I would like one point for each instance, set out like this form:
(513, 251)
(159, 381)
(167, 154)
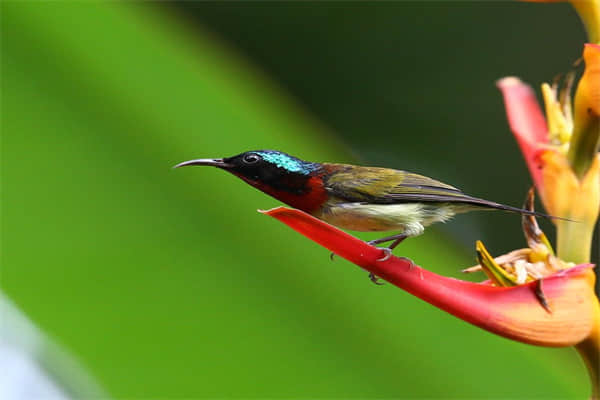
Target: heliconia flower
(527, 122)
(562, 154)
(514, 312)
(562, 157)
(572, 131)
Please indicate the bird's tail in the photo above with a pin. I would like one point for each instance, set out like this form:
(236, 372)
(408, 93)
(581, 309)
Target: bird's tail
(463, 203)
(497, 206)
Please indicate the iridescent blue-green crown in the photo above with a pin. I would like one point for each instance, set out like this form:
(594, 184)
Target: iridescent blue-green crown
(287, 162)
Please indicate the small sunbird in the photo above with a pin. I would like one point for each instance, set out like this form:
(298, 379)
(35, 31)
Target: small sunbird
(353, 197)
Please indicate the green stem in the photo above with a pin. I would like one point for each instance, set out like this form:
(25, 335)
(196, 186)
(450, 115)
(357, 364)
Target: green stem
(574, 241)
(574, 245)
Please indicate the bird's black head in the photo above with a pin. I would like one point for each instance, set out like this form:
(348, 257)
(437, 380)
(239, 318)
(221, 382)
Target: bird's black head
(272, 168)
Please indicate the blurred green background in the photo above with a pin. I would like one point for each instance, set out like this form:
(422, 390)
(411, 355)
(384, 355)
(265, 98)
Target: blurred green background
(168, 284)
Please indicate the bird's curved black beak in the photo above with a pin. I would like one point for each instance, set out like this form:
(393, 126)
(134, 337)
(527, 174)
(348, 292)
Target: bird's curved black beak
(212, 162)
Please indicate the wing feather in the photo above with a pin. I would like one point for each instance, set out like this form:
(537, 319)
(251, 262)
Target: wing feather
(387, 186)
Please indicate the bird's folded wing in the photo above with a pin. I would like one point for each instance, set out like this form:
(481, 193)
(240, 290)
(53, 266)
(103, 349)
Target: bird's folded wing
(388, 186)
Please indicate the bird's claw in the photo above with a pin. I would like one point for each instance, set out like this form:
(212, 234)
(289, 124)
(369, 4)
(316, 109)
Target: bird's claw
(331, 255)
(388, 254)
(374, 279)
(408, 260)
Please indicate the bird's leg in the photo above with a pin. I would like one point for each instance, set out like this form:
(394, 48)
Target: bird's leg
(388, 250)
(395, 239)
(400, 236)
(397, 242)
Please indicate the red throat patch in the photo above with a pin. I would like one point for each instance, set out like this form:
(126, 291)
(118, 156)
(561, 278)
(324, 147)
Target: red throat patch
(310, 201)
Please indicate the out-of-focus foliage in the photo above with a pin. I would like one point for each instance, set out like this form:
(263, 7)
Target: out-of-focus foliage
(168, 283)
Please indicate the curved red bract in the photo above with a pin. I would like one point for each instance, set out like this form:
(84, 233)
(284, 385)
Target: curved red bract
(513, 312)
(527, 122)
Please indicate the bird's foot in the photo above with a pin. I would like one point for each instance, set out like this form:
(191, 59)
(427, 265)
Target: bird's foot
(408, 260)
(375, 279)
(396, 240)
(387, 254)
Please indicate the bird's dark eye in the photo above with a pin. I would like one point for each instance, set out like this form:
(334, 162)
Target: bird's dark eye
(251, 158)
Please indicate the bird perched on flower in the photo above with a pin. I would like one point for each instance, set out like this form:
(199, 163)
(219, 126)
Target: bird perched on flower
(354, 197)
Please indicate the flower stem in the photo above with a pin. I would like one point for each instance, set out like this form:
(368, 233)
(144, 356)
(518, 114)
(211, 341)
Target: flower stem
(574, 241)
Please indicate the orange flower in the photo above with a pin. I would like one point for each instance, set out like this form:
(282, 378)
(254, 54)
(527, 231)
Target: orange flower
(562, 157)
(562, 154)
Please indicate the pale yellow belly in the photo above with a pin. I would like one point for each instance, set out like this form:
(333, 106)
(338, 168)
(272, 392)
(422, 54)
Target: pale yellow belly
(409, 218)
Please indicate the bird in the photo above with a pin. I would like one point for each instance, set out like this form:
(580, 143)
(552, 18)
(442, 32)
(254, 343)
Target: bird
(355, 198)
